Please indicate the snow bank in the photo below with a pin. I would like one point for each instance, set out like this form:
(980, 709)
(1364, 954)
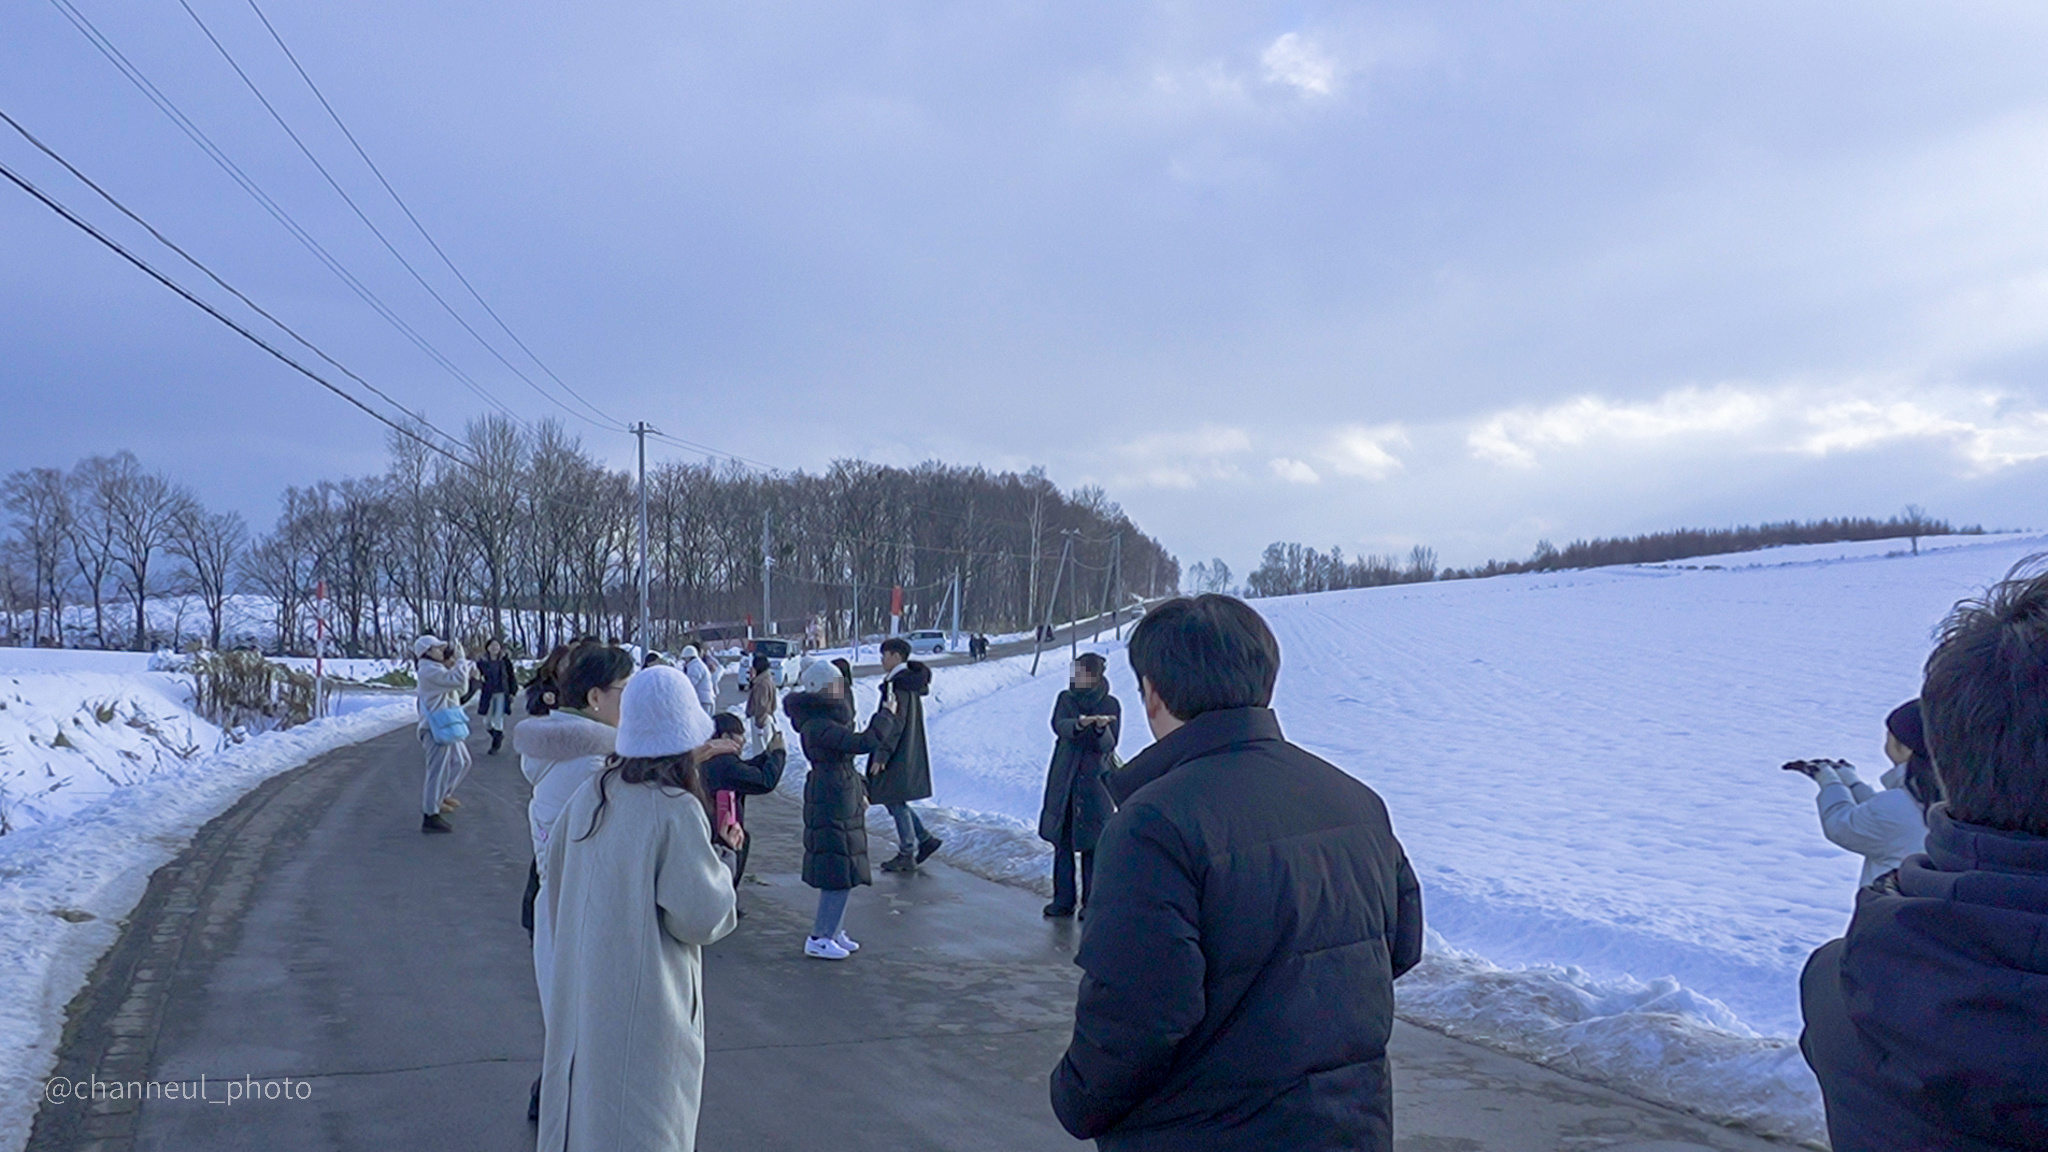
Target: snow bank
(141, 774)
(1655, 1039)
(1583, 767)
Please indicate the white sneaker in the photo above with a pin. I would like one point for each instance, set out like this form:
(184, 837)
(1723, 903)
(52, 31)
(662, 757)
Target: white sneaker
(846, 942)
(820, 948)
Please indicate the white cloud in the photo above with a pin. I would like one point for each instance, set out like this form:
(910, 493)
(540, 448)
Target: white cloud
(1294, 471)
(1365, 451)
(1987, 428)
(1301, 64)
(1185, 459)
(1514, 437)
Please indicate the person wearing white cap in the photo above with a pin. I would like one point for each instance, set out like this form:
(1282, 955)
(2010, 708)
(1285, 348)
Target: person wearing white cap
(835, 799)
(635, 888)
(443, 676)
(702, 678)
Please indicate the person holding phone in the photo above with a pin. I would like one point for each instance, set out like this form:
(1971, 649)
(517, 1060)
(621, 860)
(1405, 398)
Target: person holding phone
(1087, 722)
(1882, 827)
(636, 887)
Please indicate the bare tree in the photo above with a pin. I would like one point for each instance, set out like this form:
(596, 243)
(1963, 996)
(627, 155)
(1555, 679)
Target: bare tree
(211, 545)
(41, 502)
(143, 509)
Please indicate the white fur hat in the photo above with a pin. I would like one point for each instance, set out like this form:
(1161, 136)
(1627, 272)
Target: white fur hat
(425, 644)
(659, 714)
(817, 674)
(689, 652)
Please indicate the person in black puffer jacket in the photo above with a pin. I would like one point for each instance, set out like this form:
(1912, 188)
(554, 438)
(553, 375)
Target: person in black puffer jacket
(1927, 1023)
(835, 799)
(1252, 910)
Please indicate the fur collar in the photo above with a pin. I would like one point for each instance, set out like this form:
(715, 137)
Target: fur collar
(560, 736)
(914, 677)
(804, 707)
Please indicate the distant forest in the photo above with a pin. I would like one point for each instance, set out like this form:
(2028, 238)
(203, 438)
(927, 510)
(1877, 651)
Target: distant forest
(530, 537)
(1291, 569)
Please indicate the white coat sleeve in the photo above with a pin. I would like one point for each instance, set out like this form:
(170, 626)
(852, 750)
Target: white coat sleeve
(1866, 828)
(692, 886)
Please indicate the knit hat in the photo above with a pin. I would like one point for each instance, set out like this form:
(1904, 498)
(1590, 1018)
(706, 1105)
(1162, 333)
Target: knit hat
(425, 644)
(689, 652)
(659, 714)
(1905, 726)
(816, 675)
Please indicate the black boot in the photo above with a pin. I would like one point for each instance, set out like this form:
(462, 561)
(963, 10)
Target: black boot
(435, 823)
(926, 847)
(903, 861)
(497, 738)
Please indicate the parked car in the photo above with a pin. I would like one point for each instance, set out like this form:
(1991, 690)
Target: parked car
(929, 642)
(784, 657)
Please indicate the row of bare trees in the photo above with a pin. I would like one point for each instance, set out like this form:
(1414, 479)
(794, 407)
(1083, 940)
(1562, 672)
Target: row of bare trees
(521, 533)
(110, 535)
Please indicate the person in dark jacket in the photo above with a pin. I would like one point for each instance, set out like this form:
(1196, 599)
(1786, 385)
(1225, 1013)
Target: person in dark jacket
(1252, 910)
(731, 779)
(494, 703)
(835, 800)
(1086, 722)
(903, 771)
(1927, 1023)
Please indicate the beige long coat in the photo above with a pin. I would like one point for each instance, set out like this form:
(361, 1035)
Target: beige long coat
(632, 905)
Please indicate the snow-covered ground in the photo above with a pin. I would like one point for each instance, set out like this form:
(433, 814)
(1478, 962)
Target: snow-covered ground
(1583, 767)
(108, 773)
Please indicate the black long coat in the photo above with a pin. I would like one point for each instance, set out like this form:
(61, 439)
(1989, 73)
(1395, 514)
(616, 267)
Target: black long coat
(1077, 798)
(1927, 1024)
(905, 773)
(1251, 911)
(835, 799)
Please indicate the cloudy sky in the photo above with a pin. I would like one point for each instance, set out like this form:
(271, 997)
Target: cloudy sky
(1469, 275)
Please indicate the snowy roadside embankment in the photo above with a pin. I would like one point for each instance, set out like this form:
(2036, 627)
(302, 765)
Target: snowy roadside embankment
(145, 775)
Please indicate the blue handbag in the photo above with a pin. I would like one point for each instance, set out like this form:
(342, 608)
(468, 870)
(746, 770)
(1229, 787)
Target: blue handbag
(448, 725)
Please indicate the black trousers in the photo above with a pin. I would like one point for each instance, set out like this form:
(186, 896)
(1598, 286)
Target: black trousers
(1063, 870)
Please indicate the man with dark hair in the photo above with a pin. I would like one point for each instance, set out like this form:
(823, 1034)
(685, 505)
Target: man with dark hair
(1927, 1023)
(1252, 909)
(904, 772)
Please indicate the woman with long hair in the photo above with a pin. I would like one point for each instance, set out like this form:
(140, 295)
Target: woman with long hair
(835, 799)
(635, 890)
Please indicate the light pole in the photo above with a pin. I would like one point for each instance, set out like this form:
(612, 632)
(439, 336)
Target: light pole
(640, 431)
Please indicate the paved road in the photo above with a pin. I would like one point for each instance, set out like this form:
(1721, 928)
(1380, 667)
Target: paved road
(313, 932)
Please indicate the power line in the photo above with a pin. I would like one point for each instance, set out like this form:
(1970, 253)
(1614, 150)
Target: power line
(198, 136)
(407, 209)
(257, 91)
(209, 272)
(80, 223)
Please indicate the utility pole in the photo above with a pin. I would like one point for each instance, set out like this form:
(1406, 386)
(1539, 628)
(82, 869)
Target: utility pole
(853, 575)
(956, 605)
(767, 621)
(1117, 558)
(640, 431)
(1038, 632)
(1031, 588)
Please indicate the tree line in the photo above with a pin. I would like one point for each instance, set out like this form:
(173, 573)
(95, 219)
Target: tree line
(523, 534)
(1291, 569)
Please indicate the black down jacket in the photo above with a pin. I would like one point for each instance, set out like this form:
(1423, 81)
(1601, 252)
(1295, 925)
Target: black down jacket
(1251, 911)
(835, 799)
(1927, 1024)
(1077, 783)
(905, 769)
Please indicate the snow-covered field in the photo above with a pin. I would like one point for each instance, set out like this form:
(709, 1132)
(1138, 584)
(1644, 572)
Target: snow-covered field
(108, 773)
(1583, 767)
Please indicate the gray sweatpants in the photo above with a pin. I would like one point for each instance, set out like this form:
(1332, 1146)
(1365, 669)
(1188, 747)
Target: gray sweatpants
(447, 764)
